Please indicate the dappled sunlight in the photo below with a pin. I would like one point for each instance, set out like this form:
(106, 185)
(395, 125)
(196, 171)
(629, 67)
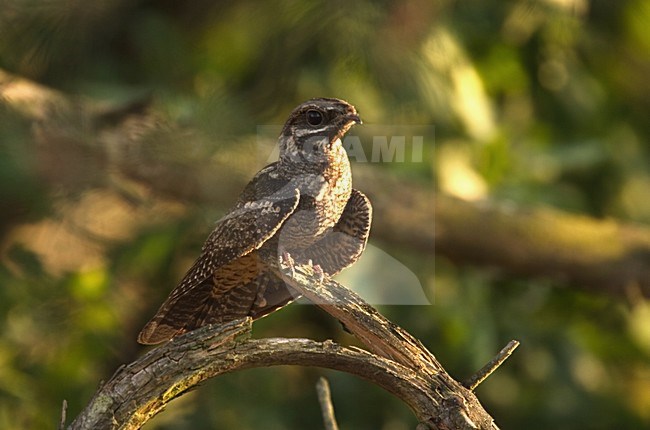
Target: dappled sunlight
(465, 95)
(472, 104)
(639, 323)
(456, 174)
(634, 197)
(35, 101)
(79, 236)
(635, 389)
(590, 372)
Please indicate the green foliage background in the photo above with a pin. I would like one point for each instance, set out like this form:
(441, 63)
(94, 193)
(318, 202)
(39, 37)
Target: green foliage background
(534, 102)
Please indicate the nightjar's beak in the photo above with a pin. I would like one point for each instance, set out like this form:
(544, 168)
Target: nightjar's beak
(354, 117)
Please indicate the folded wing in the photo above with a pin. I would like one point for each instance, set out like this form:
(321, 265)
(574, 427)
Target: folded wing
(227, 256)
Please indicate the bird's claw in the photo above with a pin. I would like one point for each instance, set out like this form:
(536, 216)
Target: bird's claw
(288, 261)
(317, 271)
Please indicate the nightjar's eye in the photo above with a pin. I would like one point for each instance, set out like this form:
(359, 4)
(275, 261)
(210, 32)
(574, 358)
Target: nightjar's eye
(314, 117)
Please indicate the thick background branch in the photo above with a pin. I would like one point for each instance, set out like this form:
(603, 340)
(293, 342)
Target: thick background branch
(597, 255)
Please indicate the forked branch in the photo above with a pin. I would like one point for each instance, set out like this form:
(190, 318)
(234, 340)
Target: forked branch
(396, 362)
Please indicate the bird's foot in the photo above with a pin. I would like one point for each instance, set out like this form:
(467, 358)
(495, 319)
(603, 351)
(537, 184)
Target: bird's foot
(318, 271)
(287, 260)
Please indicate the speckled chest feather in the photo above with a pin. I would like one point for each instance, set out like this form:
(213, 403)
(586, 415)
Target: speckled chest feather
(323, 196)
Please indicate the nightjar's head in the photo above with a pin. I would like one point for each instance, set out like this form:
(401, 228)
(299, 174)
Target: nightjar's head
(315, 128)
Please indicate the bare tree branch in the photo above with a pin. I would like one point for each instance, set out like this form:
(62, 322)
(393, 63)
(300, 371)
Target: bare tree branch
(380, 336)
(386, 339)
(325, 400)
(64, 412)
(141, 389)
(491, 366)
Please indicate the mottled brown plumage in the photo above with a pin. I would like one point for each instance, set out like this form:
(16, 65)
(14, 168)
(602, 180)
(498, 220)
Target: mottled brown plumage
(303, 205)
